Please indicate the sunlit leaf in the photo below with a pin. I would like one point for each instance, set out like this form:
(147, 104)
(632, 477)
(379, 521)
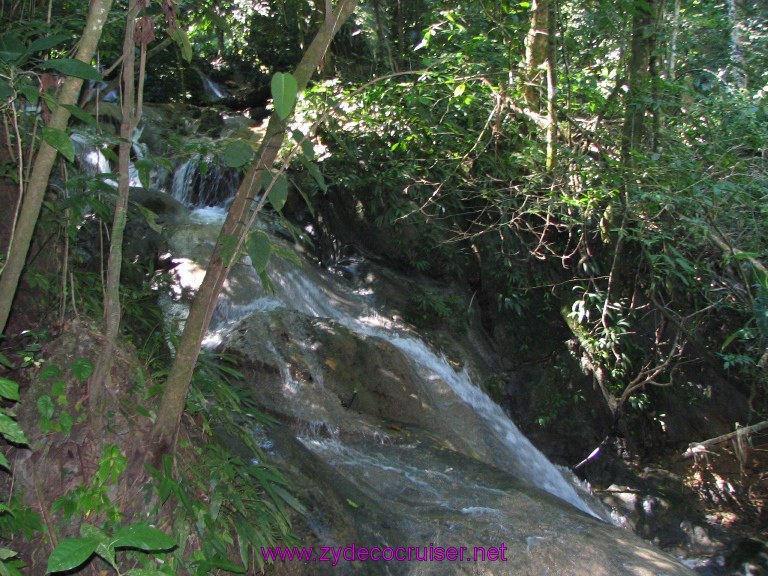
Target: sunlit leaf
(284, 92)
(180, 37)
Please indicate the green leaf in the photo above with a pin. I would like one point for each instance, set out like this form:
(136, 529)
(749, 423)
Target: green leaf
(180, 37)
(9, 389)
(45, 407)
(59, 140)
(6, 90)
(81, 115)
(30, 91)
(144, 168)
(142, 537)
(4, 464)
(279, 193)
(50, 371)
(5, 361)
(45, 43)
(72, 67)
(314, 171)
(5, 553)
(228, 247)
(237, 153)
(289, 499)
(71, 553)
(145, 572)
(82, 368)
(284, 92)
(11, 430)
(259, 249)
(222, 563)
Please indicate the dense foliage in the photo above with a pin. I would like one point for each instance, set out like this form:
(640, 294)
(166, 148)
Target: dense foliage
(612, 176)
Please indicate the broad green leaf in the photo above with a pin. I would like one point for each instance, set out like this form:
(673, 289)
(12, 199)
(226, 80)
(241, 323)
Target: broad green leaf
(71, 553)
(4, 464)
(237, 153)
(5, 361)
(259, 249)
(6, 90)
(142, 537)
(82, 368)
(9, 389)
(59, 140)
(307, 149)
(30, 91)
(72, 67)
(81, 115)
(46, 407)
(50, 371)
(279, 193)
(284, 92)
(228, 247)
(180, 37)
(11, 430)
(46, 43)
(5, 553)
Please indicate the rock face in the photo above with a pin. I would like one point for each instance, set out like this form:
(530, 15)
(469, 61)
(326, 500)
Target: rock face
(386, 455)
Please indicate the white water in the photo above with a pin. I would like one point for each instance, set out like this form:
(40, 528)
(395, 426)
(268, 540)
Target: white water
(325, 300)
(318, 294)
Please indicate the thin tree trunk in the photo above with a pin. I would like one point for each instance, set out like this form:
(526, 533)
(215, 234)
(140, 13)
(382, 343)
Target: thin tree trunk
(172, 402)
(98, 388)
(536, 49)
(43, 164)
(738, 62)
(639, 74)
(551, 88)
(672, 59)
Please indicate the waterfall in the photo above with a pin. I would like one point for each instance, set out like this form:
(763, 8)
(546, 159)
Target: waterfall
(212, 91)
(93, 161)
(321, 296)
(201, 182)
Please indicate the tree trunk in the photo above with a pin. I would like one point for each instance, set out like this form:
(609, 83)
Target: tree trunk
(43, 164)
(738, 62)
(551, 88)
(639, 76)
(234, 229)
(98, 389)
(536, 49)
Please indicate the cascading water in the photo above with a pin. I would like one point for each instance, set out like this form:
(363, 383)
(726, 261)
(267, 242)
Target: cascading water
(322, 296)
(391, 444)
(198, 186)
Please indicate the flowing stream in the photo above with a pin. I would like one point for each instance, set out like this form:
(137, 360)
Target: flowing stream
(385, 439)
